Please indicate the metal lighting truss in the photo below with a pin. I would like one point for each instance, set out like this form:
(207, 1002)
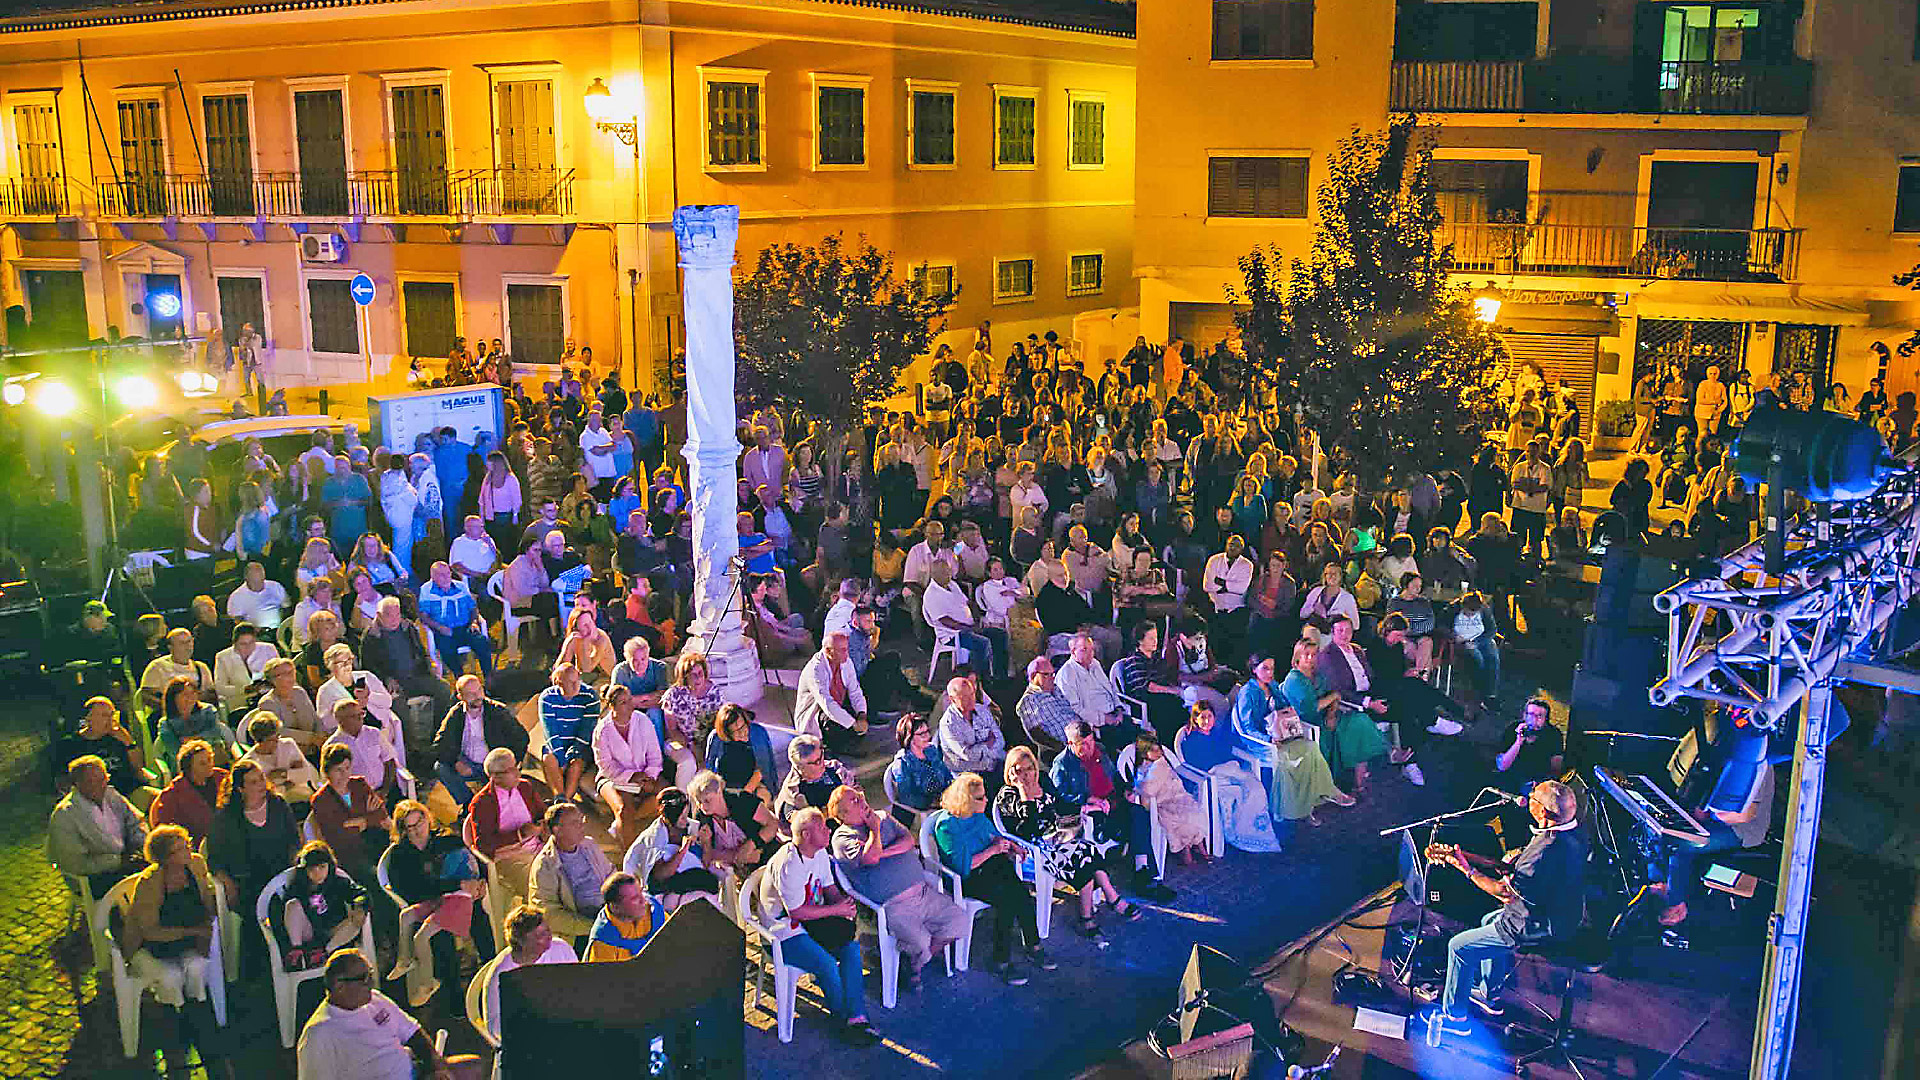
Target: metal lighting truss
(1742, 637)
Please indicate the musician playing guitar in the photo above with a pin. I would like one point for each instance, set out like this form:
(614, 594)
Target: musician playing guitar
(1542, 892)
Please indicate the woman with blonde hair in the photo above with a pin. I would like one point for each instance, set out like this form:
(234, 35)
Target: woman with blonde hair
(972, 848)
(434, 873)
(1033, 812)
(588, 649)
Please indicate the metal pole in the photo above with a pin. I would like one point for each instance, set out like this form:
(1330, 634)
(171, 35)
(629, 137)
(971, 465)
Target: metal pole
(1786, 931)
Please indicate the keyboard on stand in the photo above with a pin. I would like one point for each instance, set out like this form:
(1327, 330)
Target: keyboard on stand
(1650, 805)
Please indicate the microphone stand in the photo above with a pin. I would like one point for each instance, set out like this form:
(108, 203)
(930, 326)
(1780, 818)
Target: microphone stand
(1403, 966)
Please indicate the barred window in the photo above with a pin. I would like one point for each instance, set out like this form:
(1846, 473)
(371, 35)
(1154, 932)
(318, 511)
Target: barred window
(1906, 204)
(1085, 273)
(1013, 279)
(843, 125)
(935, 280)
(333, 325)
(1089, 133)
(931, 114)
(733, 123)
(1263, 29)
(1015, 121)
(1271, 187)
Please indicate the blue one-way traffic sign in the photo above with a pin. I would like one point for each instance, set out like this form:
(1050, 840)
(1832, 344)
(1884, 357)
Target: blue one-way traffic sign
(362, 289)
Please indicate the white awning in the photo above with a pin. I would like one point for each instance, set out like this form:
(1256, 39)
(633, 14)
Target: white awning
(1815, 310)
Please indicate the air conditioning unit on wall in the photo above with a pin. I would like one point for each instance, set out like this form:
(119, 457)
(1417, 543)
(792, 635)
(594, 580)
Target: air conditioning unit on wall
(322, 247)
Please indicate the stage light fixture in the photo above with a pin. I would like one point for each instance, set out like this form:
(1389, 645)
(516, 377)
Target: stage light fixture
(136, 392)
(1824, 456)
(55, 398)
(13, 393)
(197, 383)
(164, 305)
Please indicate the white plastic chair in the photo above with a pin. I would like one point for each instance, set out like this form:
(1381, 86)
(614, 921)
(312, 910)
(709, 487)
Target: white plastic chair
(1201, 784)
(128, 990)
(96, 930)
(890, 945)
(946, 642)
(496, 903)
(509, 622)
(1043, 880)
(286, 983)
(477, 1000)
(1123, 763)
(786, 977)
(930, 855)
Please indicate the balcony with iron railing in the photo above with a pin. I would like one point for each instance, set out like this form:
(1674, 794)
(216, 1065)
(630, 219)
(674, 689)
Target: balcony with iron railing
(392, 193)
(1603, 84)
(33, 197)
(1593, 234)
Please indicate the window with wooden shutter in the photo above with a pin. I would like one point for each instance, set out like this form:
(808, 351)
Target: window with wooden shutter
(536, 323)
(1015, 123)
(1087, 140)
(229, 154)
(428, 308)
(319, 133)
(143, 158)
(930, 113)
(242, 304)
(842, 119)
(1013, 279)
(420, 149)
(36, 141)
(524, 138)
(1263, 29)
(1270, 187)
(333, 326)
(733, 124)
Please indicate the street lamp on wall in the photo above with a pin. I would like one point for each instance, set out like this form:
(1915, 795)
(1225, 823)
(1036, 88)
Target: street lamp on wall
(606, 115)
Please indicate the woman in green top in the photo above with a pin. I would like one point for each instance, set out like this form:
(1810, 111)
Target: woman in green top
(1268, 716)
(1348, 739)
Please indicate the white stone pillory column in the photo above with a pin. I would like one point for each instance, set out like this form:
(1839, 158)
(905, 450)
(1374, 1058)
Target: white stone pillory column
(706, 236)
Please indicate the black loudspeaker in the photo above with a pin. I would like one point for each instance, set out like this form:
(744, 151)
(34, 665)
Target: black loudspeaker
(1629, 580)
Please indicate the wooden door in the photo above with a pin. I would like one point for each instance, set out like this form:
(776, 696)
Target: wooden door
(320, 136)
(528, 157)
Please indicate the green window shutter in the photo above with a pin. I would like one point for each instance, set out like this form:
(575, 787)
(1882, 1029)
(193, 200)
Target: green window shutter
(332, 323)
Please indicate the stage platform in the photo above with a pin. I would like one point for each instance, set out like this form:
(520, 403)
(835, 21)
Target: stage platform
(1655, 1013)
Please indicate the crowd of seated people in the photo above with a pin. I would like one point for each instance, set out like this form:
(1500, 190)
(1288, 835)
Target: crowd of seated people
(1128, 580)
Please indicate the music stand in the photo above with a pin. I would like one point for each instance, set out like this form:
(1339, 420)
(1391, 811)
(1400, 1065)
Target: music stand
(1403, 968)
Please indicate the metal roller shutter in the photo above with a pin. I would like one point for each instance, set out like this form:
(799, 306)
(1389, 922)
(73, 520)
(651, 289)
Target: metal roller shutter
(1562, 356)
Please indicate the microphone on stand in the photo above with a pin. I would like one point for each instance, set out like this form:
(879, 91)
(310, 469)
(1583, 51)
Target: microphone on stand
(1506, 796)
(1301, 1072)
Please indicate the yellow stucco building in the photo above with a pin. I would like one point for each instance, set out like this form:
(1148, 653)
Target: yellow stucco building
(1715, 182)
(508, 169)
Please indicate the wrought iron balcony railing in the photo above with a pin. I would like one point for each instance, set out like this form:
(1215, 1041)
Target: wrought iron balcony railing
(1596, 84)
(392, 193)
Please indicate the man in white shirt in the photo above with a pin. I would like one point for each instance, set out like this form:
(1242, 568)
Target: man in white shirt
(922, 556)
(358, 1033)
(840, 615)
(258, 601)
(945, 608)
(472, 554)
(373, 756)
(241, 665)
(178, 661)
(1226, 579)
(529, 941)
(1083, 681)
(1530, 482)
(1089, 566)
(1303, 502)
(596, 455)
(831, 704)
(322, 451)
(798, 887)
